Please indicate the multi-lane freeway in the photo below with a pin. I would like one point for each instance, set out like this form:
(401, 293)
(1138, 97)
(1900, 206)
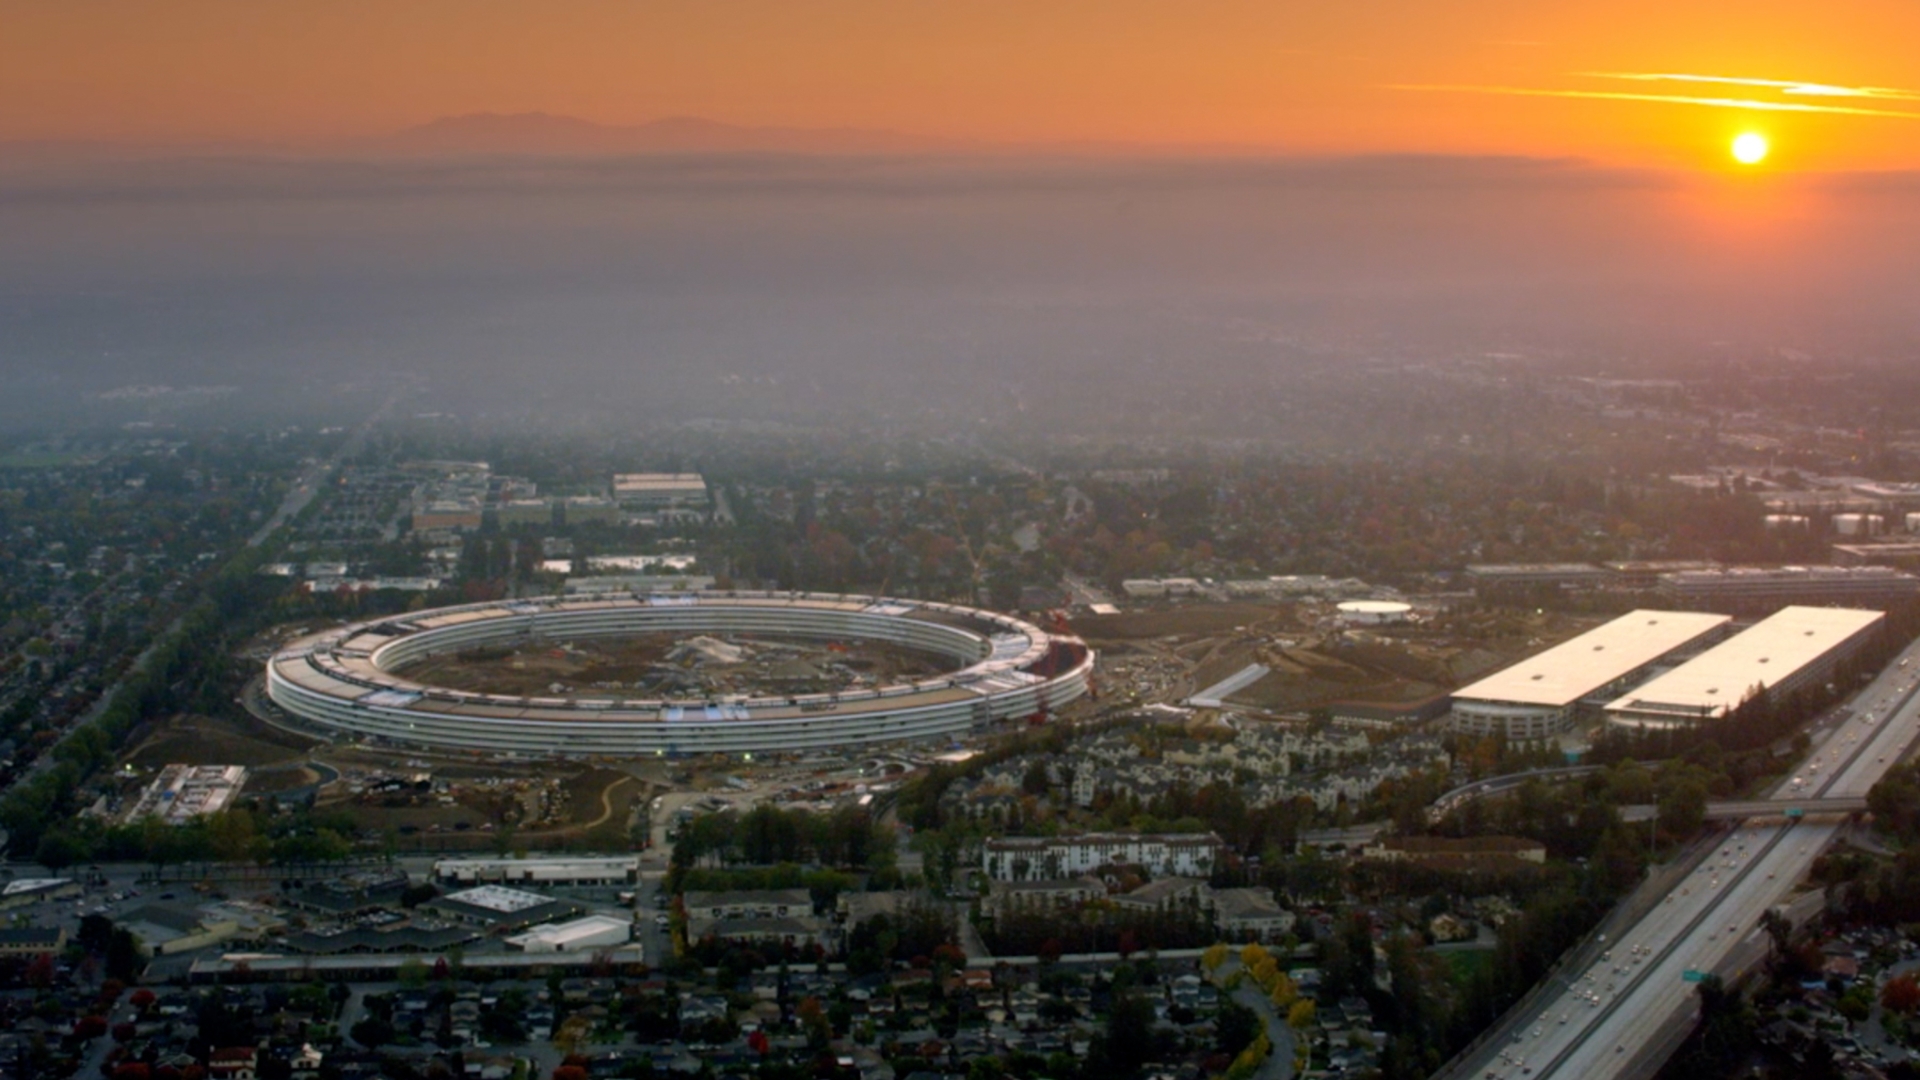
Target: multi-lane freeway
(1611, 1009)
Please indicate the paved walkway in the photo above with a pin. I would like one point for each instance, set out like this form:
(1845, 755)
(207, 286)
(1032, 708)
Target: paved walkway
(1279, 1064)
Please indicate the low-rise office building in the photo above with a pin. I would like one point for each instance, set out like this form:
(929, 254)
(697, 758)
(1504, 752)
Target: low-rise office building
(1043, 894)
(32, 940)
(591, 510)
(1250, 914)
(1795, 647)
(591, 932)
(520, 513)
(1460, 852)
(1496, 576)
(607, 870)
(353, 891)
(1755, 589)
(23, 891)
(754, 916)
(1536, 698)
(653, 491)
(495, 907)
(169, 928)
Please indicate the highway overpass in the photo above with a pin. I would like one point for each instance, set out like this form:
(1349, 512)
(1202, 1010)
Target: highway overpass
(1741, 809)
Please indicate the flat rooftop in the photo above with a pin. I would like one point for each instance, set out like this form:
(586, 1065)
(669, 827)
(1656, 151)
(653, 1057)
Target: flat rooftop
(659, 483)
(563, 935)
(1789, 574)
(1769, 652)
(22, 886)
(1527, 569)
(498, 898)
(562, 864)
(1577, 667)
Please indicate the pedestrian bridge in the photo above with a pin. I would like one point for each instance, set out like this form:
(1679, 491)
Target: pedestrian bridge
(1736, 809)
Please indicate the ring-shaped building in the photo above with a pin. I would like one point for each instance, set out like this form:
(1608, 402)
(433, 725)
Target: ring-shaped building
(351, 679)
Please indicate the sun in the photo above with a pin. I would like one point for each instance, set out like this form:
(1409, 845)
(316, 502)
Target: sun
(1750, 148)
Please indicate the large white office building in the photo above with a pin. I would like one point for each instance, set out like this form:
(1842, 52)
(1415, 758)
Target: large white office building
(1795, 647)
(1536, 698)
(352, 679)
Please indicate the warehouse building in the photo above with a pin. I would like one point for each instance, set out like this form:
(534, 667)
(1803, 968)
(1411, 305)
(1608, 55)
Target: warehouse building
(591, 932)
(1795, 647)
(1537, 698)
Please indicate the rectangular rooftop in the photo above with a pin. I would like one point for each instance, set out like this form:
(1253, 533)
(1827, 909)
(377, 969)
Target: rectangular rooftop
(1575, 668)
(1766, 654)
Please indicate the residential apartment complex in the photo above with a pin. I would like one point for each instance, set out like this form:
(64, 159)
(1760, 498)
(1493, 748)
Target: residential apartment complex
(1024, 858)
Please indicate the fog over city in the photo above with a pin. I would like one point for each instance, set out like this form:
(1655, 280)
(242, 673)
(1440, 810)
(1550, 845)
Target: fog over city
(1052, 291)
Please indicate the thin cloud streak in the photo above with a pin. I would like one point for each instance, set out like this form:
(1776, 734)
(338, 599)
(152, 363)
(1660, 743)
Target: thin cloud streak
(1663, 99)
(1804, 89)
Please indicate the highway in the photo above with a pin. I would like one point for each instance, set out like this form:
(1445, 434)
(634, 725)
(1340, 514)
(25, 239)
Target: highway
(306, 487)
(1612, 1008)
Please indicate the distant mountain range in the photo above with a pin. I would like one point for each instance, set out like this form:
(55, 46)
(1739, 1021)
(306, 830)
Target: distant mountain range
(539, 133)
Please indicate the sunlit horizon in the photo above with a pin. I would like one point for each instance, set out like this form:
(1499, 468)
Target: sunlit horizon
(1228, 75)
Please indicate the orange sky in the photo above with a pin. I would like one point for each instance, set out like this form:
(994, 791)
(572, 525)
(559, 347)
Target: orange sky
(1291, 74)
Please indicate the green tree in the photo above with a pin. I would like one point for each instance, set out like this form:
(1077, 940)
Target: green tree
(1683, 808)
(59, 849)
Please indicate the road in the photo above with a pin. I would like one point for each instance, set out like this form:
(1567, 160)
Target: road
(308, 485)
(1610, 1010)
(1279, 1063)
(1084, 591)
(92, 712)
(1499, 785)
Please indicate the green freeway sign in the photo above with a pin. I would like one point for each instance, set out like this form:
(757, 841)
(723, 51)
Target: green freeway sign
(1692, 975)
(1794, 811)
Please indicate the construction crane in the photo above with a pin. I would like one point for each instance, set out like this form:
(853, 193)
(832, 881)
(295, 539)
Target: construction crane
(966, 544)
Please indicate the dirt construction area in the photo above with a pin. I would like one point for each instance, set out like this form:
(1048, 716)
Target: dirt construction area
(665, 665)
(1313, 660)
(1192, 621)
(565, 805)
(199, 740)
(438, 804)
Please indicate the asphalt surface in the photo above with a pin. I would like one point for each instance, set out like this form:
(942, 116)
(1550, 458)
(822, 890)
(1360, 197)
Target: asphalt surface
(1279, 1064)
